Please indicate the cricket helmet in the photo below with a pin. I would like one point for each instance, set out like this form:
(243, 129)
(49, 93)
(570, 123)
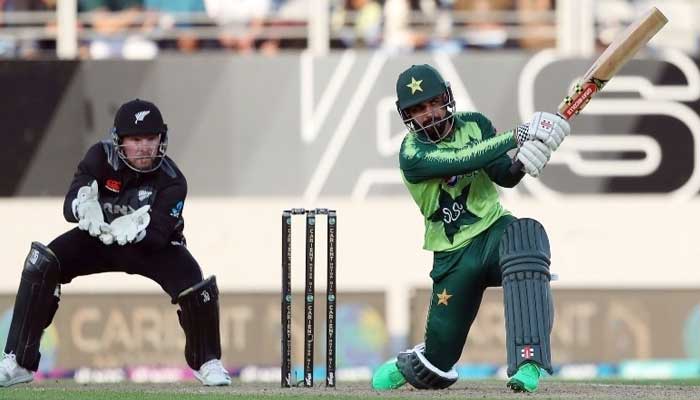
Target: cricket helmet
(416, 85)
(139, 118)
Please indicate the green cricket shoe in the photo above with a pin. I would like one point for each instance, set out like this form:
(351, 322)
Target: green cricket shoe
(526, 379)
(388, 377)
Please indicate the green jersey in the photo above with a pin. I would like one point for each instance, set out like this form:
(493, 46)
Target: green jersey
(452, 181)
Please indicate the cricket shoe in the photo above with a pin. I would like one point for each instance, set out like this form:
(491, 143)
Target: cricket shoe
(526, 379)
(213, 373)
(12, 373)
(388, 377)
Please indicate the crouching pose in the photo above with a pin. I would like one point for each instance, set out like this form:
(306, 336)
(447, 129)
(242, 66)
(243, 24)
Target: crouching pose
(127, 198)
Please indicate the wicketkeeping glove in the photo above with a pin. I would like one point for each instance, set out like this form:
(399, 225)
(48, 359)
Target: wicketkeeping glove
(124, 229)
(87, 209)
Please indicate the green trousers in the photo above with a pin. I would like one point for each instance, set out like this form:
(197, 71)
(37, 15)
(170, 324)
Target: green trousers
(460, 278)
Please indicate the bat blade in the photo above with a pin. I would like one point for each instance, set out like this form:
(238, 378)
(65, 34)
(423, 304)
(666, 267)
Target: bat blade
(615, 56)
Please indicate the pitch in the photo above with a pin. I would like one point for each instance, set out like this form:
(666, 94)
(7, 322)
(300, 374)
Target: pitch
(483, 390)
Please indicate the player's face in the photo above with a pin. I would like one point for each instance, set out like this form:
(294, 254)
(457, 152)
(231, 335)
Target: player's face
(432, 117)
(428, 111)
(140, 151)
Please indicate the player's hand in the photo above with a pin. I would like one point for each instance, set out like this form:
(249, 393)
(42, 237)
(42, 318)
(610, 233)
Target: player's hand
(125, 228)
(87, 209)
(534, 155)
(548, 128)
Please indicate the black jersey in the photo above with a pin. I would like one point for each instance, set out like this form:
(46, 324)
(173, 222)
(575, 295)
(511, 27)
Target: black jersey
(123, 190)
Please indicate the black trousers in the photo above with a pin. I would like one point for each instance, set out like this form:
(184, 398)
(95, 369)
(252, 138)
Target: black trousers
(80, 254)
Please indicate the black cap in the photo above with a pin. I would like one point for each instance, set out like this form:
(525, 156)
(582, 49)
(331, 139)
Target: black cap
(138, 117)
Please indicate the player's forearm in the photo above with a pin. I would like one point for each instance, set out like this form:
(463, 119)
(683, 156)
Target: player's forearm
(509, 179)
(441, 162)
(500, 174)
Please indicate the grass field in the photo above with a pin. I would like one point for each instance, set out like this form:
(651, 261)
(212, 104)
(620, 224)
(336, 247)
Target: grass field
(482, 390)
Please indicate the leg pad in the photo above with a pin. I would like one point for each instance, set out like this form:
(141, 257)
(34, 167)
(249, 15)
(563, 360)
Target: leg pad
(199, 318)
(35, 305)
(529, 314)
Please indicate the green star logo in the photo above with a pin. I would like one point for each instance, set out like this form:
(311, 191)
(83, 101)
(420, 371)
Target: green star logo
(415, 85)
(453, 212)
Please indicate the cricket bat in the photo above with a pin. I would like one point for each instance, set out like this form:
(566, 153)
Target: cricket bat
(618, 53)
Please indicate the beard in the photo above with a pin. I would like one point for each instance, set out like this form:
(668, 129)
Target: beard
(437, 131)
(141, 162)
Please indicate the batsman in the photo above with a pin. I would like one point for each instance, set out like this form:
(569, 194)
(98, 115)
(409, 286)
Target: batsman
(451, 163)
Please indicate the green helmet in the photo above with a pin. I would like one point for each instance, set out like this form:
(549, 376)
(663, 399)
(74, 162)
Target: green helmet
(418, 84)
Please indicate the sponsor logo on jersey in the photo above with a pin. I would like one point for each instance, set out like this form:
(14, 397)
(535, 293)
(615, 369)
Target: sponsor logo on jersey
(117, 209)
(113, 185)
(144, 194)
(451, 181)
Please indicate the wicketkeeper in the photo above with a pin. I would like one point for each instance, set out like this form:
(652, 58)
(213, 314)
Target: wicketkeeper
(127, 198)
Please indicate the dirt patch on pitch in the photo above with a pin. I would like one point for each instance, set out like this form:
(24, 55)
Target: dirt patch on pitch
(461, 390)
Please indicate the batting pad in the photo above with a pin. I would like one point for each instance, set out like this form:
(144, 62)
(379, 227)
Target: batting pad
(529, 311)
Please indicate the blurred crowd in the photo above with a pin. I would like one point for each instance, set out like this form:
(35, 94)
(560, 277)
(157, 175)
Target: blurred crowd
(144, 28)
